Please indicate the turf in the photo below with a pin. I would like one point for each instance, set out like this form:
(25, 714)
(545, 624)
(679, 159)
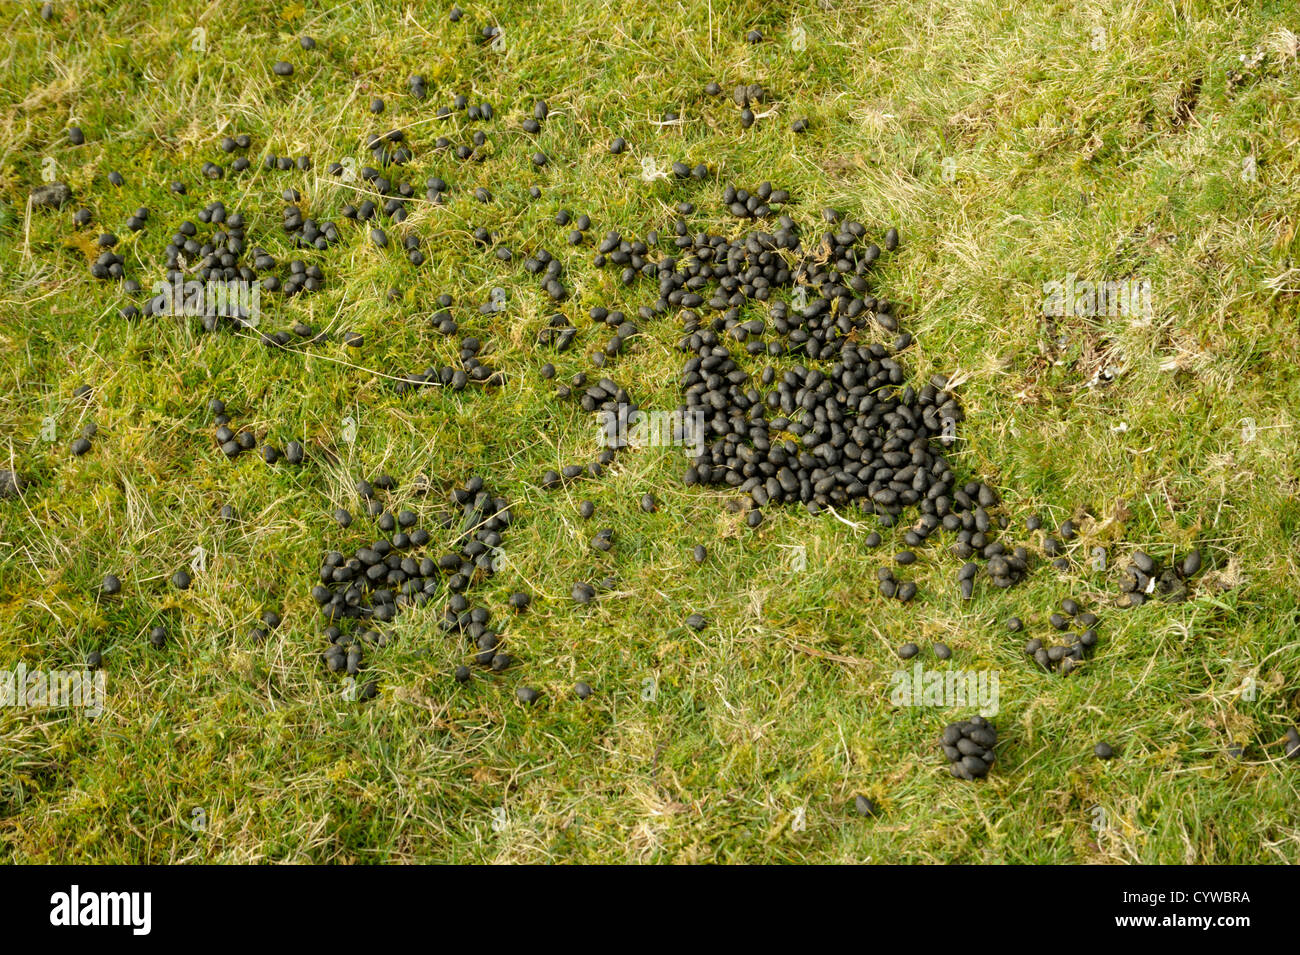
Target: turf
(1011, 145)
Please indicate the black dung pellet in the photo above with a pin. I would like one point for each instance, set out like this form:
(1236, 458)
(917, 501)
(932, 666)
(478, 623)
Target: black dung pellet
(648, 503)
(461, 674)
(181, 580)
(618, 145)
(586, 509)
(696, 622)
(1103, 751)
(700, 554)
(158, 636)
(526, 695)
(969, 747)
(1291, 748)
(281, 68)
(907, 651)
(1014, 624)
(942, 651)
(581, 690)
(864, 806)
(111, 585)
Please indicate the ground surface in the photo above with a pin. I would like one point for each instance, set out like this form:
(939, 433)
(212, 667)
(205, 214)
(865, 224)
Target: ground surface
(1011, 146)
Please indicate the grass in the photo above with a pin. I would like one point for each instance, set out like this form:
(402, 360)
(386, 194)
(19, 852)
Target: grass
(1011, 147)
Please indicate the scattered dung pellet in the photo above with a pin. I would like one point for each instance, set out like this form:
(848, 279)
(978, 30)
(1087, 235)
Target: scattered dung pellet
(461, 674)
(282, 68)
(864, 806)
(519, 601)
(76, 136)
(942, 651)
(526, 695)
(80, 446)
(905, 557)
(158, 636)
(581, 690)
(586, 509)
(94, 659)
(873, 539)
(583, 592)
(12, 483)
(907, 651)
(1291, 749)
(50, 195)
(696, 622)
(648, 503)
(343, 516)
(111, 585)
(700, 554)
(1103, 751)
(618, 145)
(181, 580)
(1015, 624)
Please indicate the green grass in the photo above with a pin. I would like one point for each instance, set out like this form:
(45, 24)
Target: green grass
(1066, 155)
